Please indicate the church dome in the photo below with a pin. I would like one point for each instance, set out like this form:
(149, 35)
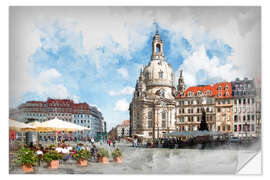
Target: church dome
(158, 72)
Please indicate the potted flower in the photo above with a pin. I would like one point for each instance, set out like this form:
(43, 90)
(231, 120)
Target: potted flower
(82, 156)
(26, 158)
(117, 155)
(52, 146)
(103, 155)
(52, 158)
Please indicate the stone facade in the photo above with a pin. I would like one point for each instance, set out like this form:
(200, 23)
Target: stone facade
(152, 110)
(156, 108)
(64, 109)
(244, 108)
(224, 122)
(189, 108)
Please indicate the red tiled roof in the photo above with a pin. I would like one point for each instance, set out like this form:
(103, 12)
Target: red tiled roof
(223, 90)
(212, 88)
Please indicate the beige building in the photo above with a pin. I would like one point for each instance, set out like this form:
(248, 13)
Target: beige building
(224, 104)
(189, 108)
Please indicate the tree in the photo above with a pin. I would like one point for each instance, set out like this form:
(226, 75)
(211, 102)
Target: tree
(203, 125)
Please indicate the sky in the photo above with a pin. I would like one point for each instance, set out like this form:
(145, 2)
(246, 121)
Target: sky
(94, 54)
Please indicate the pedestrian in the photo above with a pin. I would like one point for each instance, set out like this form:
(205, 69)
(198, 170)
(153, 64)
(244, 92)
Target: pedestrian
(92, 141)
(113, 142)
(135, 142)
(109, 142)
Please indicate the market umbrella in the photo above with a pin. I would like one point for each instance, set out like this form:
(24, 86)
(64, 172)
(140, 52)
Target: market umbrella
(20, 127)
(56, 125)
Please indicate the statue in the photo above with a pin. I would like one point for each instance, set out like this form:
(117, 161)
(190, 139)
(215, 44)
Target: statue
(203, 125)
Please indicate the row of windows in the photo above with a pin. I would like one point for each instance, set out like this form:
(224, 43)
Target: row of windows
(243, 109)
(244, 101)
(224, 128)
(223, 109)
(223, 118)
(244, 118)
(243, 93)
(220, 87)
(195, 110)
(82, 121)
(244, 127)
(224, 101)
(195, 118)
(189, 102)
(59, 115)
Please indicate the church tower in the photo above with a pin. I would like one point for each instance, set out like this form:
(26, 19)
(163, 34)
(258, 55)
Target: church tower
(181, 84)
(157, 48)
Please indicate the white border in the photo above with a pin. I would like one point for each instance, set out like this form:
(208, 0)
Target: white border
(4, 73)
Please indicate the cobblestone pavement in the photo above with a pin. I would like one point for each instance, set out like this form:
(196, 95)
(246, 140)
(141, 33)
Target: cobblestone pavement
(155, 161)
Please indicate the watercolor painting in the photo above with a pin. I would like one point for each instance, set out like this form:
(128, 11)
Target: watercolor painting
(134, 90)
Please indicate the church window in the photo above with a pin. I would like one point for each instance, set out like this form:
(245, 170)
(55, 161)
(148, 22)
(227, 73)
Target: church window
(160, 74)
(158, 48)
(162, 93)
(147, 76)
(163, 119)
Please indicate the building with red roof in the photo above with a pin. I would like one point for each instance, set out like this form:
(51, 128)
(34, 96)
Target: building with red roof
(189, 108)
(64, 109)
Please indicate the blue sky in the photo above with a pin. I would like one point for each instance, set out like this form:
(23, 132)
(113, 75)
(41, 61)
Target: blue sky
(73, 59)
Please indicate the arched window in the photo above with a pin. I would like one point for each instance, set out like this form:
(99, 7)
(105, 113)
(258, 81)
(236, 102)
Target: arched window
(149, 119)
(158, 48)
(162, 93)
(160, 74)
(147, 75)
(163, 119)
(190, 93)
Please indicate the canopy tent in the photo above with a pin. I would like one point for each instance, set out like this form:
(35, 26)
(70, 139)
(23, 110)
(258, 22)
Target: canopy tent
(194, 133)
(53, 125)
(59, 125)
(20, 126)
(139, 135)
(56, 125)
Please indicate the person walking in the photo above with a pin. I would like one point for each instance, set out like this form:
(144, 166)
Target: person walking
(113, 142)
(109, 142)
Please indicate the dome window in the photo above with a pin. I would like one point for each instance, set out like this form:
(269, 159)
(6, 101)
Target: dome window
(160, 74)
(147, 76)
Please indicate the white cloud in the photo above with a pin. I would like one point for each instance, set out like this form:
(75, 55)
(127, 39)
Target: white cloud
(126, 91)
(121, 105)
(123, 72)
(75, 98)
(199, 69)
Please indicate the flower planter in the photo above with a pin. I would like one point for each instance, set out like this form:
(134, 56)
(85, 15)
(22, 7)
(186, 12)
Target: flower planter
(54, 164)
(103, 160)
(28, 168)
(118, 159)
(82, 162)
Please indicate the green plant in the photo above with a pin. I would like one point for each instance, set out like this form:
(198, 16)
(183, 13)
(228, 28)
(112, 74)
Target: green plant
(102, 152)
(26, 156)
(116, 153)
(51, 155)
(52, 146)
(81, 155)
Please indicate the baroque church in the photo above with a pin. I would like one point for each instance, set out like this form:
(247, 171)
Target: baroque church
(153, 106)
